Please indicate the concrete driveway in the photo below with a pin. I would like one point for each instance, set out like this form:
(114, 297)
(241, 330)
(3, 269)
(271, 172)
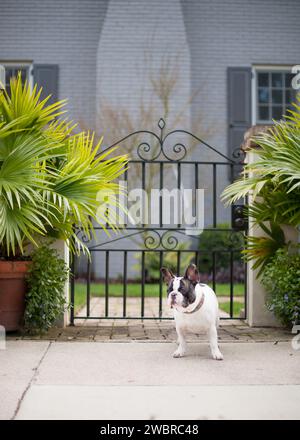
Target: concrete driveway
(140, 380)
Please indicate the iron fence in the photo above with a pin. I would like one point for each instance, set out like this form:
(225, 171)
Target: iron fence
(122, 280)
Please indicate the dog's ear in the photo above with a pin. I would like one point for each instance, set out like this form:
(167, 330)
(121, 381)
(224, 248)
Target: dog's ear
(192, 274)
(167, 274)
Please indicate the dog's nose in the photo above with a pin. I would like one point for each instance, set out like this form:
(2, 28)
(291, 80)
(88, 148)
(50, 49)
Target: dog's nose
(173, 294)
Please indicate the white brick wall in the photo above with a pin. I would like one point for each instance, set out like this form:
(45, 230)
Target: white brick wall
(218, 34)
(137, 38)
(63, 32)
(236, 33)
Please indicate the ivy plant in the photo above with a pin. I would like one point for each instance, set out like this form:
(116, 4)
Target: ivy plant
(45, 299)
(281, 279)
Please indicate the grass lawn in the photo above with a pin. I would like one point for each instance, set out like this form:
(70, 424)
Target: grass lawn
(134, 290)
(237, 306)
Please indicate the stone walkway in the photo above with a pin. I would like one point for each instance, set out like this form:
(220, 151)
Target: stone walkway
(156, 331)
(152, 330)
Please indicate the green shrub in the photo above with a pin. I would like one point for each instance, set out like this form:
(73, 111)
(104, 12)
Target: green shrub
(152, 261)
(210, 241)
(281, 279)
(45, 300)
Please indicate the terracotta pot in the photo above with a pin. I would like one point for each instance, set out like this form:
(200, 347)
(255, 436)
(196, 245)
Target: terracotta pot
(12, 293)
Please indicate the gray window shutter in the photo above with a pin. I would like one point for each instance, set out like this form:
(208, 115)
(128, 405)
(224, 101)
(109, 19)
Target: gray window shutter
(46, 76)
(239, 106)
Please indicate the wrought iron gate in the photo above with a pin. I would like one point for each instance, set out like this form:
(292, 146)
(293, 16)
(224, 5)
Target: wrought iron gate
(122, 279)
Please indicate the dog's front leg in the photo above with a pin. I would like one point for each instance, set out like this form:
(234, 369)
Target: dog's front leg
(213, 341)
(180, 352)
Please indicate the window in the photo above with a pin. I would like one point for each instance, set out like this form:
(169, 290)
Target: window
(274, 94)
(11, 70)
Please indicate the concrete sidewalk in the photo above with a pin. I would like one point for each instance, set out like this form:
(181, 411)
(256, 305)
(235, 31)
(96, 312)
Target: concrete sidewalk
(80, 380)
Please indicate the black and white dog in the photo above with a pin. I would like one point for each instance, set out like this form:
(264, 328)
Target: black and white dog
(195, 308)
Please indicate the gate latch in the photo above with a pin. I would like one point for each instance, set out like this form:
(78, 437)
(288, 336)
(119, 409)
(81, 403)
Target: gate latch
(239, 220)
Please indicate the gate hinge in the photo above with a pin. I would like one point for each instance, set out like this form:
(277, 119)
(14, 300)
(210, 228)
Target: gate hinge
(239, 219)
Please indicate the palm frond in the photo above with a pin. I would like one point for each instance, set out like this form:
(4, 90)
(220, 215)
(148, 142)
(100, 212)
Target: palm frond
(50, 178)
(262, 249)
(24, 105)
(77, 183)
(273, 181)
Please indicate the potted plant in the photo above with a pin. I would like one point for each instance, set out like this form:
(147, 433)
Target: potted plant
(49, 180)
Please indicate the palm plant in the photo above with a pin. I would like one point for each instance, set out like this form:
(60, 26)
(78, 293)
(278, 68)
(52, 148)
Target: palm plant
(273, 180)
(49, 174)
(275, 175)
(263, 249)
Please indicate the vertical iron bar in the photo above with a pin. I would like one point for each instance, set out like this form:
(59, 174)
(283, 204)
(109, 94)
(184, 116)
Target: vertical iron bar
(178, 262)
(179, 186)
(231, 172)
(246, 269)
(196, 176)
(196, 187)
(214, 271)
(106, 282)
(161, 183)
(144, 188)
(88, 288)
(246, 291)
(124, 283)
(214, 195)
(126, 180)
(143, 286)
(160, 284)
(196, 258)
(231, 284)
(72, 298)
